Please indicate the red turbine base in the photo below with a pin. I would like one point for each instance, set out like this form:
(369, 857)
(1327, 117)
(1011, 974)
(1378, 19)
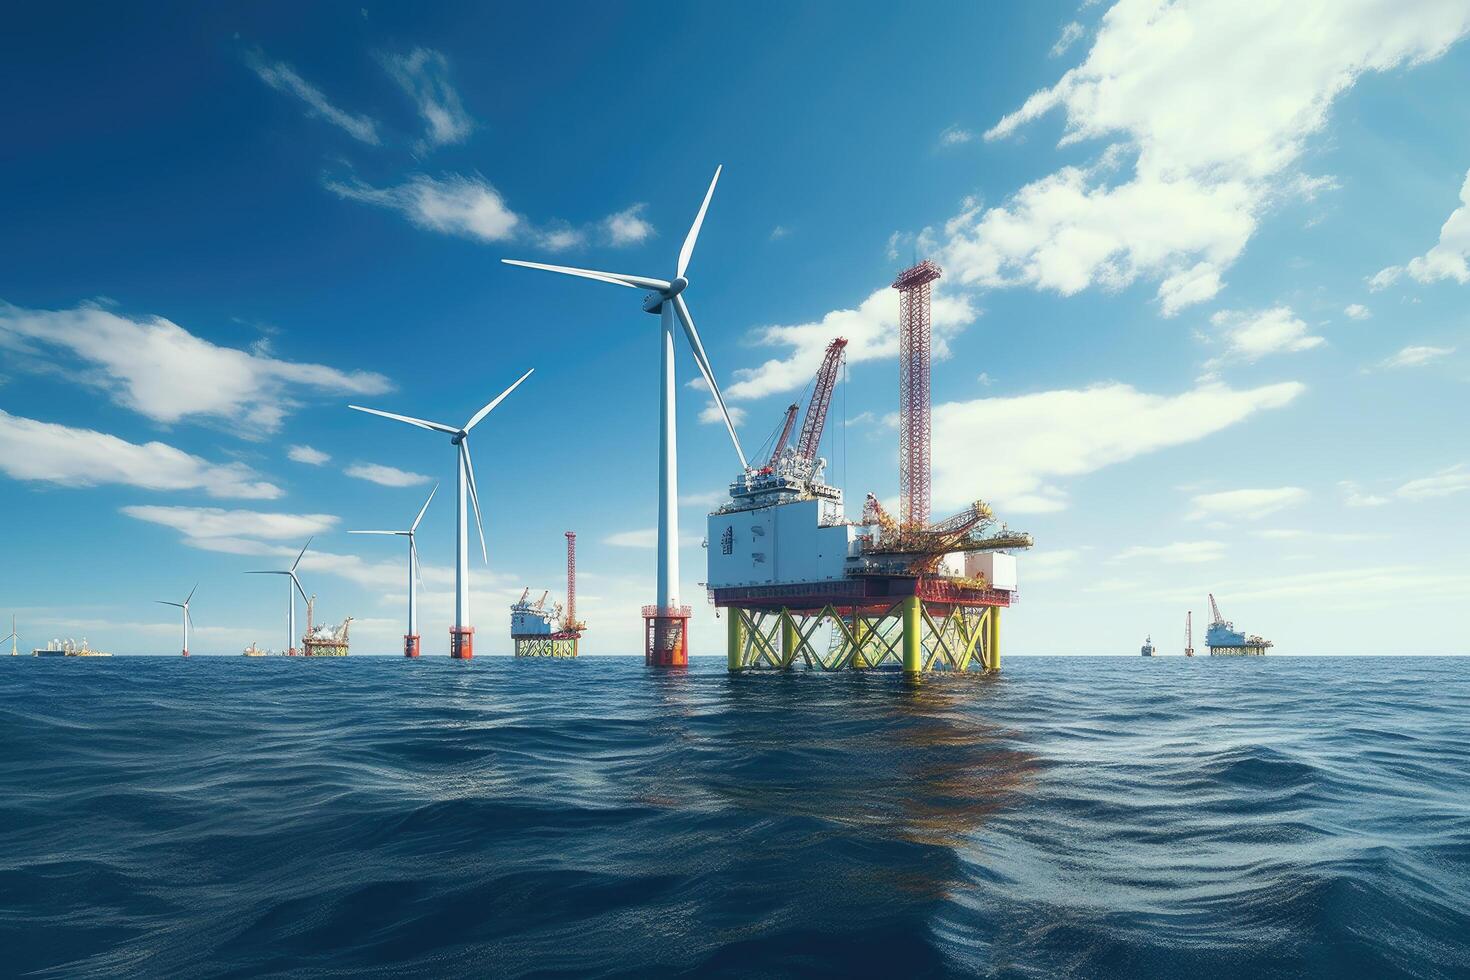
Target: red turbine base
(410, 645)
(462, 643)
(186, 653)
(666, 633)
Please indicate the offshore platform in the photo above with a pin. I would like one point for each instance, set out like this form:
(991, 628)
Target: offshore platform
(1224, 640)
(321, 639)
(540, 632)
(799, 581)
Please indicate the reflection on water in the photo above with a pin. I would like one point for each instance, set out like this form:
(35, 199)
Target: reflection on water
(593, 817)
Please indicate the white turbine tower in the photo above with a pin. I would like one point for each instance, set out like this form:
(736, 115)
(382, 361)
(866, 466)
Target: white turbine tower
(14, 638)
(411, 638)
(292, 587)
(461, 636)
(669, 645)
(188, 622)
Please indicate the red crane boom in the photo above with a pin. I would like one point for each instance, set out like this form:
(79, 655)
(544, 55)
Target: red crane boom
(816, 410)
(785, 434)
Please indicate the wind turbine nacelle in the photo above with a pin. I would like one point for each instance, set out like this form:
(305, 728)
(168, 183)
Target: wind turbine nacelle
(653, 303)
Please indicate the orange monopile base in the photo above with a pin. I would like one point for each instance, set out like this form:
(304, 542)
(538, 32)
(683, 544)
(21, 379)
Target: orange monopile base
(462, 643)
(410, 645)
(667, 633)
(186, 653)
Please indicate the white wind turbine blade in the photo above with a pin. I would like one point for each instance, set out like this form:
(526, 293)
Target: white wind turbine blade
(616, 278)
(297, 583)
(475, 420)
(377, 532)
(469, 472)
(700, 358)
(413, 554)
(176, 605)
(303, 553)
(422, 510)
(191, 594)
(689, 240)
(421, 423)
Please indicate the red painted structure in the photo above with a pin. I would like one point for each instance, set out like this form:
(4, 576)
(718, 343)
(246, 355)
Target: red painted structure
(666, 636)
(410, 645)
(571, 580)
(462, 643)
(865, 593)
(816, 409)
(914, 427)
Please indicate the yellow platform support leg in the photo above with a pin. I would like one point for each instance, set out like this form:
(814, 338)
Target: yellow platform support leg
(734, 638)
(790, 639)
(913, 648)
(859, 637)
(994, 638)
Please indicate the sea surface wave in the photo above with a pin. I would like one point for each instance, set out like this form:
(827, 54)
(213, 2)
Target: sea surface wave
(1075, 817)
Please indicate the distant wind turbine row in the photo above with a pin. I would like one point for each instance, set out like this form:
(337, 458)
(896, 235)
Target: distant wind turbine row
(668, 619)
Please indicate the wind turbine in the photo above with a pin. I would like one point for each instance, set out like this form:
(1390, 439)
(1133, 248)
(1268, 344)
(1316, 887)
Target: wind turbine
(188, 621)
(411, 638)
(462, 635)
(669, 642)
(13, 637)
(294, 583)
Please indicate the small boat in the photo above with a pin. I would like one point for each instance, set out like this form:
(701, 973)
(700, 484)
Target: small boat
(254, 651)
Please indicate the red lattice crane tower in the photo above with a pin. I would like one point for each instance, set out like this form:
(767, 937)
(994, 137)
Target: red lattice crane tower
(914, 428)
(571, 623)
(816, 409)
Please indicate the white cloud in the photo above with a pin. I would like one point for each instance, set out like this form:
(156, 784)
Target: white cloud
(385, 476)
(1185, 288)
(955, 136)
(1251, 334)
(1213, 100)
(1249, 504)
(215, 529)
(1384, 278)
(307, 455)
(1071, 34)
(627, 227)
(710, 414)
(424, 75)
(1450, 257)
(1357, 311)
(779, 232)
(643, 538)
(454, 205)
(283, 78)
(1456, 479)
(1032, 439)
(871, 331)
(1353, 496)
(1416, 356)
(157, 368)
(1047, 566)
(44, 451)
(1178, 553)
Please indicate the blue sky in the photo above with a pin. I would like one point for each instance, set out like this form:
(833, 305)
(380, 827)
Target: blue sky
(1201, 328)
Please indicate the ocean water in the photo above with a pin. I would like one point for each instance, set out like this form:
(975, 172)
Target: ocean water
(1088, 817)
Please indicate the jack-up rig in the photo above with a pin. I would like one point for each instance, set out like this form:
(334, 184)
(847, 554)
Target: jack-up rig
(541, 632)
(1224, 640)
(791, 571)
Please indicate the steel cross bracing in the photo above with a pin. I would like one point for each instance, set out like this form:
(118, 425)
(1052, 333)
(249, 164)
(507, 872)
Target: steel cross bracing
(914, 428)
(956, 638)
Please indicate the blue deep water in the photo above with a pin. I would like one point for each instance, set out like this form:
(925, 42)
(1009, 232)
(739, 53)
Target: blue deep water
(1072, 817)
